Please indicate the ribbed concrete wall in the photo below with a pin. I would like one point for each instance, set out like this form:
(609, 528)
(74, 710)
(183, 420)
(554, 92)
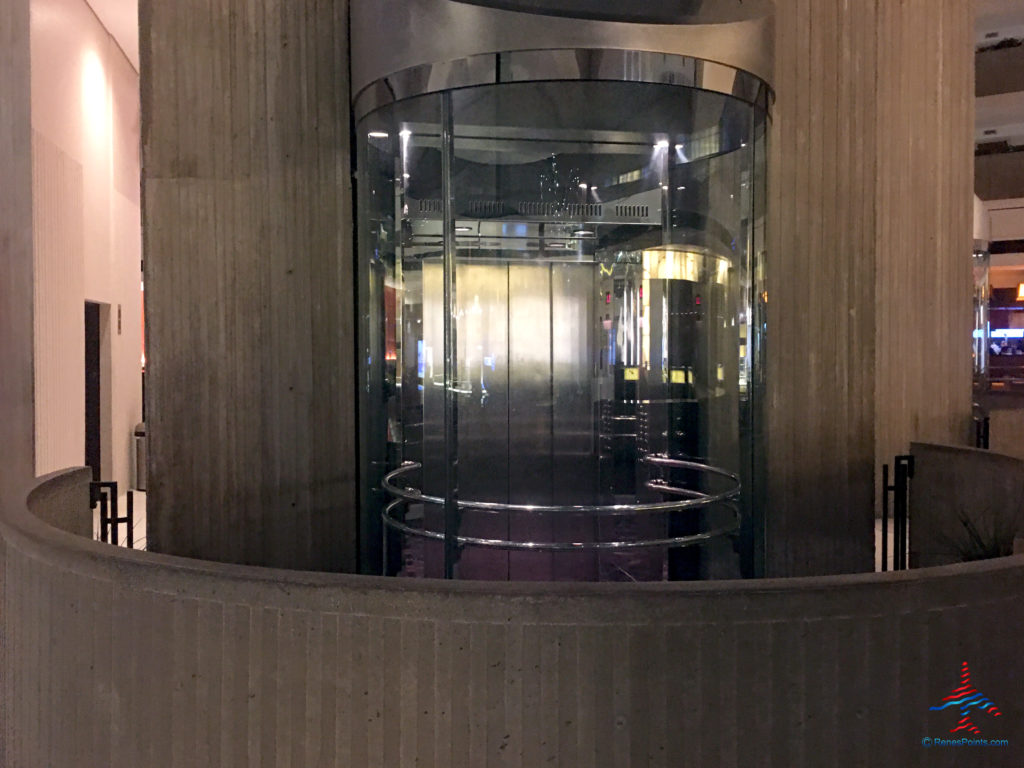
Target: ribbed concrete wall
(950, 520)
(249, 303)
(870, 223)
(127, 658)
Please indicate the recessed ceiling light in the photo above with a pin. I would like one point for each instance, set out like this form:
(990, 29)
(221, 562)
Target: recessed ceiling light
(377, 135)
(680, 188)
(463, 229)
(663, 144)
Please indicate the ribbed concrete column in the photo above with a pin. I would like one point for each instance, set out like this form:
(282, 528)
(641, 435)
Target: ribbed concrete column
(16, 413)
(15, 249)
(247, 218)
(869, 261)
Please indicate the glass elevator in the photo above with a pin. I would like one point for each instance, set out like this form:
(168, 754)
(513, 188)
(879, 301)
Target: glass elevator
(562, 308)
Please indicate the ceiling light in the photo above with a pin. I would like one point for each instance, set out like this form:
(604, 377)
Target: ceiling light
(663, 144)
(463, 229)
(583, 233)
(377, 135)
(583, 185)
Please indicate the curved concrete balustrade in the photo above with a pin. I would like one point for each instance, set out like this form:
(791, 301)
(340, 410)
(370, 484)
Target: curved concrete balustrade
(963, 501)
(116, 657)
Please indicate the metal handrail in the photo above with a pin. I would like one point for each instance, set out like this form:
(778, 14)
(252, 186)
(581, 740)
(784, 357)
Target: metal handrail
(694, 500)
(559, 546)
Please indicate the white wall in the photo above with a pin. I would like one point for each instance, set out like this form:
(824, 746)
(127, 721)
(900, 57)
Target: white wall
(85, 121)
(1006, 218)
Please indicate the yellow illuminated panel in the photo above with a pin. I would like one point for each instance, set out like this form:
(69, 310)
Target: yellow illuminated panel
(631, 374)
(670, 264)
(678, 376)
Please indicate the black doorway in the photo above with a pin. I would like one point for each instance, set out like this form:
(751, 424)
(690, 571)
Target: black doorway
(92, 389)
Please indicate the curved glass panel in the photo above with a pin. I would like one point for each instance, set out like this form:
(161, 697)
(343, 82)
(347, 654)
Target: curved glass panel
(562, 314)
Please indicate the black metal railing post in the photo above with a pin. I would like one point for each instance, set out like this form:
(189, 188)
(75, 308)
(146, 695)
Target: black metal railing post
(886, 490)
(105, 494)
(981, 432)
(899, 490)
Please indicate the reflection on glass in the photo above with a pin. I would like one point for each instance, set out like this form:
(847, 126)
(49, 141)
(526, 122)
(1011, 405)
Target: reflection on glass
(608, 314)
(982, 333)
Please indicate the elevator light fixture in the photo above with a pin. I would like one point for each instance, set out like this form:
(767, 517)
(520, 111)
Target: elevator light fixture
(583, 185)
(663, 144)
(377, 135)
(679, 147)
(405, 133)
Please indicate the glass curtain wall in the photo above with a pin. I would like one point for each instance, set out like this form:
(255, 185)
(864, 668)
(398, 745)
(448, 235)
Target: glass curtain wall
(562, 306)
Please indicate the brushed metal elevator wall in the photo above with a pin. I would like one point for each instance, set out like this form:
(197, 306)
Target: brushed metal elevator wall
(526, 409)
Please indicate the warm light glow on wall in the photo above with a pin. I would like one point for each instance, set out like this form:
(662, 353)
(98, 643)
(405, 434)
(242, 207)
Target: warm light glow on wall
(1020, 292)
(95, 101)
(670, 264)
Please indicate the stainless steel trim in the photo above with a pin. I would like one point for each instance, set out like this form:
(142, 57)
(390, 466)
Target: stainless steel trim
(565, 64)
(390, 36)
(698, 500)
(390, 521)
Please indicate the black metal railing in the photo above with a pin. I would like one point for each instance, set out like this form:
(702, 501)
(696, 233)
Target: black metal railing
(897, 494)
(981, 427)
(105, 494)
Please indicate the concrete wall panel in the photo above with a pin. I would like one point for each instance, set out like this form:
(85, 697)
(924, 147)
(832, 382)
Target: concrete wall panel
(964, 502)
(249, 305)
(121, 657)
(868, 266)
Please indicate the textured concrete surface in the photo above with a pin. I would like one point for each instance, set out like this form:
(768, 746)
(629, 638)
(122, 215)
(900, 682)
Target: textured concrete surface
(61, 500)
(961, 497)
(247, 220)
(869, 219)
(1006, 431)
(127, 658)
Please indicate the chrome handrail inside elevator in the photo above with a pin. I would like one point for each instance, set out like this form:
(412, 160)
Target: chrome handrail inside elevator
(692, 500)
